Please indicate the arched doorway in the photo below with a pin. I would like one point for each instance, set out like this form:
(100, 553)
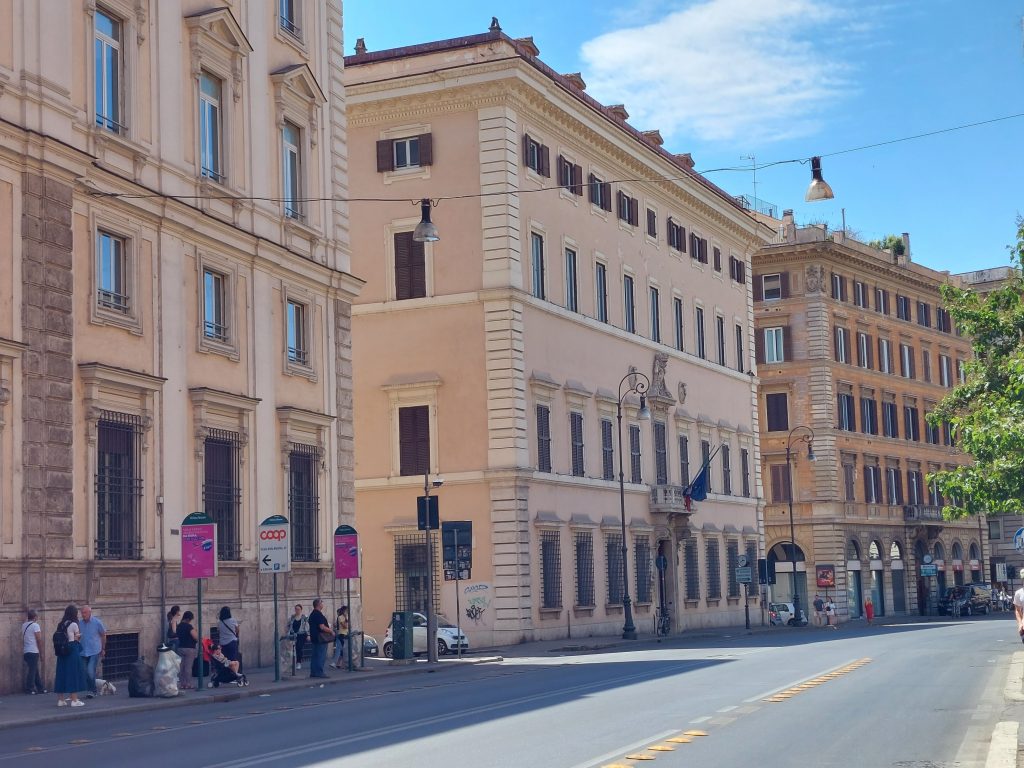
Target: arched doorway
(899, 587)
(787, 578)
(877, 576)
(974, 555)
(958, 564)
(854, 590)
(939, 553)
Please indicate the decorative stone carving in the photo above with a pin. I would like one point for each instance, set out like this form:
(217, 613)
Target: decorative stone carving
(682, 392)
(815, 278)
(658, 388)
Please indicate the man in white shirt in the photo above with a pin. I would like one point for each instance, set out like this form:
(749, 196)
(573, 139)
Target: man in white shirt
(1018, 607)
(32, 647)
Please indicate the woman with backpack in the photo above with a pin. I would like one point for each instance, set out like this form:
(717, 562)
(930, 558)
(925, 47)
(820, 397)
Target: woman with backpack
(67, 649)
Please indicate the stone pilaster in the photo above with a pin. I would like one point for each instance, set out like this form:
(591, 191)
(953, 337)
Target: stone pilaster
(48, 370)
(510, 527)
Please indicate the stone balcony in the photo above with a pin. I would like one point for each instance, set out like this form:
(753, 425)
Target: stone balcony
(670, 501)
(922, 513)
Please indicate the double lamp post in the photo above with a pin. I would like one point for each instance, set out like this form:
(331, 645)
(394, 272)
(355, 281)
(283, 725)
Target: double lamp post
(797, 435)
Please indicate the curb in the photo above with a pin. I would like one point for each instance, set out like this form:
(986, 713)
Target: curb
(235, 694)
(1014, 690)
(1002, 751)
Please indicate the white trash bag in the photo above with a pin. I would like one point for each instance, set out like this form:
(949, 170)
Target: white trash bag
(165, 674)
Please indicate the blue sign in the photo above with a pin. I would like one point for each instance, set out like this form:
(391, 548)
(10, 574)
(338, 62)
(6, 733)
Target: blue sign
(1018, 540)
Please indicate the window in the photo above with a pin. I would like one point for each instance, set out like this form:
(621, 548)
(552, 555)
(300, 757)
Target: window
(112, 273)
(902, 307)
(716, 254)
(863, 350)
(849, 487)
(926, 365)
(726, 470)
(584, 556)
(627, 210)
(714, 569)
(652, 224)
(537, 264)
(222, 489)
(572, 302)
(890, 420)
(698, 248)
(942, 320)
(931, 432)
(884, 356)
(914, 486)
(774, 345)
(842, 345)
(882, 301)
(600, 192)
(911, 424)
(961, 371)
(676, 235)
(934, 497)
(771, 287)
(720, 338)
(576, 440)
(635, 475)
(737, 270)
(410, 267)
(644, 573)
(109, 78)
(407, 152)
(121, 652)
(739, 347)
(570, 176)
(994, 530)
(292, 165)
(613, 556)
(288, 16)
(304, 502)
(411, 573)
(601, 286)
(655, 303)
(298, 343)
(214, 310)
(414, 440)
(211, 129)
(660, 453)
(847, 413)
(860, 294)
(868, 415)
(629, 305)
(777, 411)
(677, 321)
(924, 314)
(893, 485)
(543, 438)
(607, 451)
(732, 562)
(118, 487)
(692, 569)
(779, 474)
(701, 351)
(550, 570)
(684, 460)
(745, 471)
(838, 287)
(705, 461)
(872, 484)
(907, 361)
(536, 156)
(945, 377)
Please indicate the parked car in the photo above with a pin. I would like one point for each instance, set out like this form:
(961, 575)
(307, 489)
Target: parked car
(448, 637)
(972, 599)
(780, 614)
(370, 647)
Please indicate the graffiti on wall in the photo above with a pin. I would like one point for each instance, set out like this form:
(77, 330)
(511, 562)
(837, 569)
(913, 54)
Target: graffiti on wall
(476, 601)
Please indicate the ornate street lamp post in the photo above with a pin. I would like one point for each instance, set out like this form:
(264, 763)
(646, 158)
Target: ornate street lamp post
(638, 384)
(794, 438)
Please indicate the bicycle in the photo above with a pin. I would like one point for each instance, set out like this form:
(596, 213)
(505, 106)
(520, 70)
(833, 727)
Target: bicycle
(662, 623)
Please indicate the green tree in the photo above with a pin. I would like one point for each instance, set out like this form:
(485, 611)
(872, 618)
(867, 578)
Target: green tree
(986, 412)
(892, 243)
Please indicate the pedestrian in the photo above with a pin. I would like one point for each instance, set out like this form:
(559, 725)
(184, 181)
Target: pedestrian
(869, 609)
(830, 613)
(70, 676)
(1018, 607)
(340, 635)
(320, 635)
(188, 640)
(171, 641)
(297, 630)
(228, 634)
(819, 610)
(94, 646)
(32, 648)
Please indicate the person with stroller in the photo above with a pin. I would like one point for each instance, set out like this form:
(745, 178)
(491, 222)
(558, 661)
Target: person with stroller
(297, 630)
(224, 670)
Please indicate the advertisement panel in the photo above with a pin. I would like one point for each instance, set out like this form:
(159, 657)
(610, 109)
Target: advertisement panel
(826, 576)
(198, 547)
(346, 552)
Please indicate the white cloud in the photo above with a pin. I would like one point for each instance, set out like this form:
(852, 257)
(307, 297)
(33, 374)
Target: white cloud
(723, 70)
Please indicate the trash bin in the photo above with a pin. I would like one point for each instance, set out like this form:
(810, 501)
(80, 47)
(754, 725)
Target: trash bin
(401, 635)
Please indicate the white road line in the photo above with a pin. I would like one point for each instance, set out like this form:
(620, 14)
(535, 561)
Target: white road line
(802, 680)
(700, 720)
(728, 709)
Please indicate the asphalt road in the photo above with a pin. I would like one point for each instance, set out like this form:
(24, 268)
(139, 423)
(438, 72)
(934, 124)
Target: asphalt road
(905, 695)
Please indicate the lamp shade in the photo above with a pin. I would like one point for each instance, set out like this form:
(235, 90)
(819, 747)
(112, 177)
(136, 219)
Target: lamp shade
(819, 188)
(425, 231)
(645, 412)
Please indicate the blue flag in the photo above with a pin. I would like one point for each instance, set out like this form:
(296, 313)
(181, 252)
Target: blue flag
(698, 489)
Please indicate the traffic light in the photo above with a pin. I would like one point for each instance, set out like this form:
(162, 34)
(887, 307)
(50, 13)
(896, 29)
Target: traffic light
(765, 571)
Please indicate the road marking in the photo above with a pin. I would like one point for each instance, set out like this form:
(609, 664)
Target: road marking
(662, 748)
(728, 709)
(813, 679)
(680, 740)
(696, 733)
(641, 756)
(791, 692)
(697, 720)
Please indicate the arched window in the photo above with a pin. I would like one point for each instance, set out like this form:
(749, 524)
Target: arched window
(853, 550)
(875, 550)
(958, 551)
(780, 553)
(940, 551)
(895, 551)
(973, 551)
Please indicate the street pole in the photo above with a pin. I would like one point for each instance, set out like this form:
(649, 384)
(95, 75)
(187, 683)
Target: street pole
(746, 604)
(277, 638)
(809, 439)
(458, 606)
(348, 640)
(199, 623)
(639, 387)
(431, 616)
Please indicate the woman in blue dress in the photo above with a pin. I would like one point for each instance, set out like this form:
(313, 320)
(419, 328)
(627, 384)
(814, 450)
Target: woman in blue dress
(70, 677)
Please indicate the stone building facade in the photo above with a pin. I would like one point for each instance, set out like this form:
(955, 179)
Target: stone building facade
(494, 356)
(854, 343)
(174, 308)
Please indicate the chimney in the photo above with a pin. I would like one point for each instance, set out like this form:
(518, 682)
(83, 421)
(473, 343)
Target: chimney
(788, 226)
(360, 46)
(654, 137)
(906, 247)
(618, 111)
(575, 79)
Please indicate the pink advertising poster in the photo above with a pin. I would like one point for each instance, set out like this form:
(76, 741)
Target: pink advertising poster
(346, 555)
(198, 550)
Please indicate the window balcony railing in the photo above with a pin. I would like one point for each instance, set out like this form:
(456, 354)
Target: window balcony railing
(668, 498)
(922, 512)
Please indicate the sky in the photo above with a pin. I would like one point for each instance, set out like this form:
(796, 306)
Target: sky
(775, 80)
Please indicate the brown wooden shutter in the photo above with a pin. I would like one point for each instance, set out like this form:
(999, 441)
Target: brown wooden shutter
(593, 189)
(787, 344)
(426, 148)
(842, 289)
(417, 269)
(784, 284)
(867, 484)
(577, 180)
(704, 250)
(619, 197)
(885, 301)
(881, 354)
(758, 288)
(545, 162)
(835, 343)
(403, 273)
(682, 239)
(743, 272)
(848, 340)
(759, 345)
(634, 211)
(385, 155)
(526, 149)
(606, 196)
(871, 352)
(414, 440)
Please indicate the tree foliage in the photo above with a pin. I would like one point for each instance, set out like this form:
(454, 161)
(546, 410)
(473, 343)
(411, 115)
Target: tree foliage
(892, 243)
(987, 411)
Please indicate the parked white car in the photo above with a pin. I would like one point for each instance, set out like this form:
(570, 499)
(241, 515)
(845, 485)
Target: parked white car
(782, 614)
(448, 637)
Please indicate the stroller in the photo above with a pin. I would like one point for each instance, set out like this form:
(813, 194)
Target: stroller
(222, 673)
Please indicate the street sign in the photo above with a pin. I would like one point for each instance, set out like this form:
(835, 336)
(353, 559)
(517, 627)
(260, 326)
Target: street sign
(929, 569)
(426, 511)
(457, 549)
(742, 561)
(1018, 540)
(745, 574)
(275, 545)
(346, 552)
(198, 547)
